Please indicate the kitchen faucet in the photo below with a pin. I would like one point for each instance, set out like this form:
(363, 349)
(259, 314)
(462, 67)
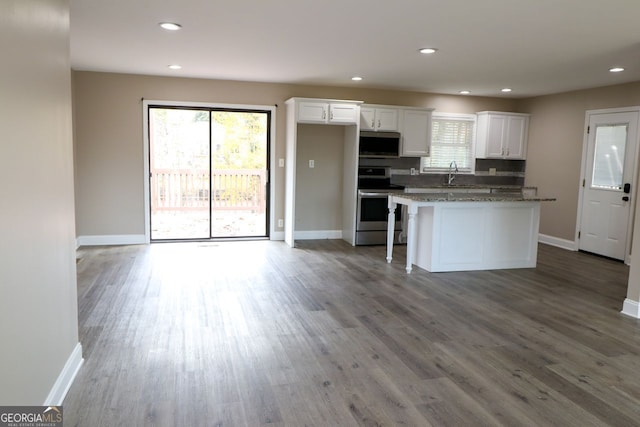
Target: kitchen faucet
(453, 170)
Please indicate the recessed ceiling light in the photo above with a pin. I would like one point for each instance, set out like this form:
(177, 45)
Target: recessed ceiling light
(464, 92)
(428, 50)
(171, 26)
(356, 78)
(175, 66)
(616, 69)
(506, 89)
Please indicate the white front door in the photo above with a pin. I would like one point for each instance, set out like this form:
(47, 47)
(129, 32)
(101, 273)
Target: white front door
(609, 171)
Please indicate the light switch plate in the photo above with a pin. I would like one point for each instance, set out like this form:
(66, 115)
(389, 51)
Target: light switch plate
(492, 171)
(312, 163)
(281, 163)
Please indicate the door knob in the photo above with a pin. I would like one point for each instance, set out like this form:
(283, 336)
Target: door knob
(625, 198)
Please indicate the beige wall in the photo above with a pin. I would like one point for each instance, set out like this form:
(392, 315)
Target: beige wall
(38, 302)
(319, 202)
(109, 145)
(554, 156)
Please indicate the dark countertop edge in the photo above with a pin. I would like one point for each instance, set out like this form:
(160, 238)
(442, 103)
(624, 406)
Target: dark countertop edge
(443, 197)
(471, 186)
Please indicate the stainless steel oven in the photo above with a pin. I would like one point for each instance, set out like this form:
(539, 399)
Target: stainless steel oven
(373, 215)
(372, 212)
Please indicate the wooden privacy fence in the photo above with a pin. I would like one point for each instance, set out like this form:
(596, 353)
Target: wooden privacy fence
(188, 189)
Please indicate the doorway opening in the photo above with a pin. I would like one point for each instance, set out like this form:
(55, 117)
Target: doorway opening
(208, 172)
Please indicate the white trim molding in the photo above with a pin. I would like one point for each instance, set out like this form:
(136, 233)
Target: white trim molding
(631, 308)
(65, 379)
(557, 242)
(277, 235)
(112, 239)
(318, 234)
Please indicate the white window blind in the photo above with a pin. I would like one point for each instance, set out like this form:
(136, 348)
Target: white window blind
(452, 139)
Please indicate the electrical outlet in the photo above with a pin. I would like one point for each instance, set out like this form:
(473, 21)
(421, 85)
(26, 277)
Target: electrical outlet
(280, 223)
(492, 171)
(312, 163)
(281, 163)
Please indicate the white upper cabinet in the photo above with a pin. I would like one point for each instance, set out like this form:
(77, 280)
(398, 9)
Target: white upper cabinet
(517, 130)
(327, 112)
(378, 118)
(343, 113)
(314, 112)
(415, 131)
(501, 135)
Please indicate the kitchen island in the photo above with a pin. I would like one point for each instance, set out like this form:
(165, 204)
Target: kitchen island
(468, 231)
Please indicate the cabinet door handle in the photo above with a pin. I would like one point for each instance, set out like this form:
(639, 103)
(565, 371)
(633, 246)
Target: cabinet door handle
(379, 123)
(331, 116)
(324, 114)
(373, 123)
(507, 151)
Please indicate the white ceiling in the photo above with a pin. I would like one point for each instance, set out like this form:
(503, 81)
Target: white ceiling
(535, 47)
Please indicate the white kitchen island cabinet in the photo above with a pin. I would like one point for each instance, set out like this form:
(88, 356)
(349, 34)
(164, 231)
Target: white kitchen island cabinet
(463, 232)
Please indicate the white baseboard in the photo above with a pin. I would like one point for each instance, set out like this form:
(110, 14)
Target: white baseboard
(631, 308)
(318, 234)
(65, 379)
(557, 242)
(277, 235)
(112, 239)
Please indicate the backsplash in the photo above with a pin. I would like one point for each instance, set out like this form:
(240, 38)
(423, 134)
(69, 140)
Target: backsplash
(508, 172)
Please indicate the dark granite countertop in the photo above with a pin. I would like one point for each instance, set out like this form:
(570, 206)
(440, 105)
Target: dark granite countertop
(472, 186)
(471, 197)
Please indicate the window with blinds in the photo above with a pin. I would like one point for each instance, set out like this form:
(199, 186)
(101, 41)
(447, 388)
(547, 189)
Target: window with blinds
(452, 139)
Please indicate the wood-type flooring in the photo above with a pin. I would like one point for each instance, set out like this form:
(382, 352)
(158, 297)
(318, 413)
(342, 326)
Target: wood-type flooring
(259, 334)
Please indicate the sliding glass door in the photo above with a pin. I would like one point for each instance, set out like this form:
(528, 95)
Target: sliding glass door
(208, 173)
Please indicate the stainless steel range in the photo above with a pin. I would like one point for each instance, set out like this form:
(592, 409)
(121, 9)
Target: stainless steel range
(374, 186)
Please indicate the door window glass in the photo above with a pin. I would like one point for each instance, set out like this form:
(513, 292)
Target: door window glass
(608, 165)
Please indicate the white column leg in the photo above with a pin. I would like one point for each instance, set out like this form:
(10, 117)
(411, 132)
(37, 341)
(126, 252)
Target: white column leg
(411, 243)
(391, 222)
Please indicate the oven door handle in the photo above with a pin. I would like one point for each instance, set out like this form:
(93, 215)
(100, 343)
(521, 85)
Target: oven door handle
(371, 194)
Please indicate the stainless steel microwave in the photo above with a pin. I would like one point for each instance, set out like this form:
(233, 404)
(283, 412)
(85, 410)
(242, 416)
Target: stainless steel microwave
(379, 144)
